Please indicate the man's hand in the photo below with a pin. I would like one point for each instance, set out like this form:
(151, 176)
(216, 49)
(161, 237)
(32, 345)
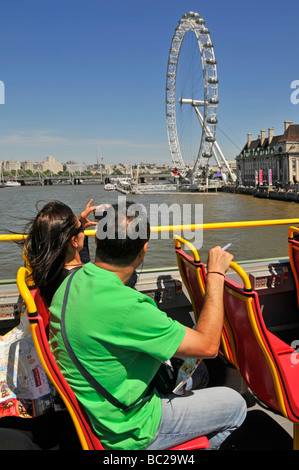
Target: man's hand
(205, 339)
(219, 260)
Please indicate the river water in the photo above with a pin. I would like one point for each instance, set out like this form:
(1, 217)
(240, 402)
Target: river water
(18, 206)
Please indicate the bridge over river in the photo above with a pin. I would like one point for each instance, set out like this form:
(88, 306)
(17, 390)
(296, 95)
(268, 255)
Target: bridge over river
(79, 179)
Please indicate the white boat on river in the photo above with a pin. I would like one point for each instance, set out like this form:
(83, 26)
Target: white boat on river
(109, 187)
(11, 184)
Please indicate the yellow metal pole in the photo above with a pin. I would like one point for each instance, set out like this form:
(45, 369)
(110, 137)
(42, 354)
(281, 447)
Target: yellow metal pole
(12, 237)
(217, 225)
(190, 227)
(224, 225)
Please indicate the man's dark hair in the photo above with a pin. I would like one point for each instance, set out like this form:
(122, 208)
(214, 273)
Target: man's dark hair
(131, 230)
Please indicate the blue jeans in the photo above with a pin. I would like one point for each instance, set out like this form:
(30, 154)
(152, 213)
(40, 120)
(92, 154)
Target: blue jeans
(213, 412)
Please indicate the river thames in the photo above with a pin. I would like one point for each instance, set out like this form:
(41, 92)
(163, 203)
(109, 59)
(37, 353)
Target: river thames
(18, 206)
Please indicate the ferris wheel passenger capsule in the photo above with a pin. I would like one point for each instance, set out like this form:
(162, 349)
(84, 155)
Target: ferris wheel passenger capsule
(213, 80)
(210, 61)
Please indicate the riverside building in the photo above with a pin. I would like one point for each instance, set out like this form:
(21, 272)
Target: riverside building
(270, 160)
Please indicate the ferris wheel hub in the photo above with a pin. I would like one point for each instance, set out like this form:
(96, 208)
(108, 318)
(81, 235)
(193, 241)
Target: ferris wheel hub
(192, 102)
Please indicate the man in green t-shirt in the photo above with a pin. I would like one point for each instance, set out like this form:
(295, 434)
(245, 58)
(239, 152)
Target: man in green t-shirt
(121, 337)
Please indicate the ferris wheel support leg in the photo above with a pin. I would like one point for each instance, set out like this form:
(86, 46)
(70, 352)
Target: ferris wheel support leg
(216, 157)
(231, 174)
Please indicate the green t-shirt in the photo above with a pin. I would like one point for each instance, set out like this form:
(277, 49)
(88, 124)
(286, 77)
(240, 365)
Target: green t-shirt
(121, 337)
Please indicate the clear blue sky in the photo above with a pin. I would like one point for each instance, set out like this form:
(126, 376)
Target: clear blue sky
(84, 74)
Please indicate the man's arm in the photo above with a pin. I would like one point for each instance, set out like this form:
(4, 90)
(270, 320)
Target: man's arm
(204, 341)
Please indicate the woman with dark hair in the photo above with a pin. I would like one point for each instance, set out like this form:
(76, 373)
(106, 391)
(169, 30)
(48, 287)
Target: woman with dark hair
(55, 239)
(53, 245)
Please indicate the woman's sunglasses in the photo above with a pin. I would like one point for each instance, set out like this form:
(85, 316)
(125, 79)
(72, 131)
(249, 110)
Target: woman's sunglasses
(80, 228)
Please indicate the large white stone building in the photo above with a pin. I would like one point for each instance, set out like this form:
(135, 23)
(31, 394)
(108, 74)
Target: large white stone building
(9, 165)
(50, 164)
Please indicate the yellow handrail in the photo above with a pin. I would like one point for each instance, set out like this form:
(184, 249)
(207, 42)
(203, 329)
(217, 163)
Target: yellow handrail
(12, 237)
(178, 240)
(224, 225)
(292, 230)
(236, 267)
(23, 289)
(243, 275)
(189, 227)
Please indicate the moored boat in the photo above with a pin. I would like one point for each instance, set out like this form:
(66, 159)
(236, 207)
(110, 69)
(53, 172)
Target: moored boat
(11, 184)
(109, 187)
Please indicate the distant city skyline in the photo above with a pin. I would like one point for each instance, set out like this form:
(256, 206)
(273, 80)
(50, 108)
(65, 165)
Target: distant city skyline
(54, 166)
(86, 80)
(13, 163)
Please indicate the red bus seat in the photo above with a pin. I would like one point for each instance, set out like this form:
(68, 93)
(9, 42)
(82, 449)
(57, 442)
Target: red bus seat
(42, 309)
(193, 274)
(266, 363)
(85, 432)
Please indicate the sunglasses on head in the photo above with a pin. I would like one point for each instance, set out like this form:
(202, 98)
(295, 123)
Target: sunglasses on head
(80, 228)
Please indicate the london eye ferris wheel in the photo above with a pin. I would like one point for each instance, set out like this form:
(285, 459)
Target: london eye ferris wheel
(192, 99)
